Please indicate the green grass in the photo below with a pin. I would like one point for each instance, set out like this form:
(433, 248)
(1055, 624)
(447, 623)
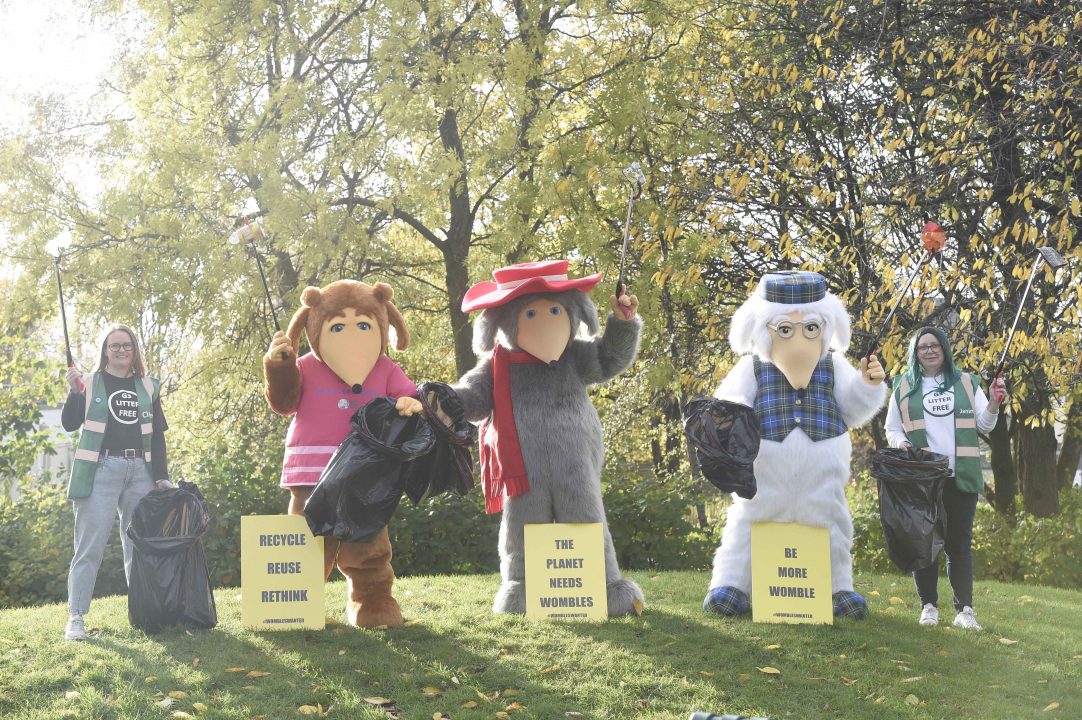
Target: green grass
(665, 664)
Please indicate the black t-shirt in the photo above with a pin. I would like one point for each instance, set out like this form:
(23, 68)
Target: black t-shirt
(122, 424)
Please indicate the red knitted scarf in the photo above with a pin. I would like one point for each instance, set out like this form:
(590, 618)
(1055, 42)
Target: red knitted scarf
(503, 471)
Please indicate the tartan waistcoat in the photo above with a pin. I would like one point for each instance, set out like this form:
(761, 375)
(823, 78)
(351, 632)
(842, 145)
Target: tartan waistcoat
(781, 408)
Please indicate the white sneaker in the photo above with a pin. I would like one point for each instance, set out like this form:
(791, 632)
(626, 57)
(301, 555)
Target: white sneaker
(929, 615)
(75, 629)
(966, 619)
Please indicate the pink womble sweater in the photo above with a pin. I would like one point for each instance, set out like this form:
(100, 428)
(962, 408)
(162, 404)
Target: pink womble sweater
(325, 406)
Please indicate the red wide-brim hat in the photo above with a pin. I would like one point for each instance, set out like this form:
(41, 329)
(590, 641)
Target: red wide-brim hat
(523, 279)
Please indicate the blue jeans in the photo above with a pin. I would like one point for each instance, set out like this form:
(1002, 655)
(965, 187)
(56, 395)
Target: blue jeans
(958, 547)
(119, 485)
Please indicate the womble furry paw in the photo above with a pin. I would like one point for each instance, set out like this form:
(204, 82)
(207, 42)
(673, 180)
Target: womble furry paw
(510, 598)
(623, 595)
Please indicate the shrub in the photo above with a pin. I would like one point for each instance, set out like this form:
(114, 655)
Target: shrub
(651, 521)
(36, 545)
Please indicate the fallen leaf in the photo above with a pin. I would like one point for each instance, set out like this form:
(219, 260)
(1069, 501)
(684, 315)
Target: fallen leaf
(432, 692)
(769, 670)
(167, 703)
(411, 623)
(514, 706)
(637, 604)
(150, 678)
(235, 669)
(181, 715)
(873, 593)
(71, 694)
(440, 716)
(377, 700)
(470, 704)
(199, 707)
(706, 674)
(257, 674)
(509, 693)
(502, 714)
(308, 710)
(195, 662)
(455, 680)
(773, 647)
(341, 652)
(1051, 706)
(177, 694)
(998, 686)
(912, 700)
(1006, 641)
(913, 679)
(743, 676)
(895, 600)
(943, 653)
(1024, 599)
(848, 681)
(573, 713)
(546, 671)
(890, 610)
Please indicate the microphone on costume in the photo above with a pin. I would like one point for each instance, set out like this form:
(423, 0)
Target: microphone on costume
(356, 389)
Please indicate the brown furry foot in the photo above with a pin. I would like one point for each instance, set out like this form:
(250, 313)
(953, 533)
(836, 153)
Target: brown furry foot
(375, 612)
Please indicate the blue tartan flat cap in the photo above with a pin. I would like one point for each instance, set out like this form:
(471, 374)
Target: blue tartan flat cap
(793, 287)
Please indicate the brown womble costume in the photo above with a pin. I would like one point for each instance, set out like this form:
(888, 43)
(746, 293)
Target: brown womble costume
(346, 324)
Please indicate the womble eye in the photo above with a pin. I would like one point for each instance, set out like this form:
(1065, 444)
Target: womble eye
(812, 328)
(364, 326)
(338, 327)
(530, 314)
(554, 310)
(785, 331)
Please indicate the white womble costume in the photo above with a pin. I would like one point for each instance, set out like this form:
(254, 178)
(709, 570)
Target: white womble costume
(792, 334)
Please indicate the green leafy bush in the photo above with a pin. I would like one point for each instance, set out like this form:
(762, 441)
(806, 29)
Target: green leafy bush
(445, 535)
(36, 545)
(651, 522)
(1022, 549)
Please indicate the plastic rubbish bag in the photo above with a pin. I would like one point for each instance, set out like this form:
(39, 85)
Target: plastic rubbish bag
(449, 465)
(362, 484)
(911, 504)
(725, 438)
(170, 583)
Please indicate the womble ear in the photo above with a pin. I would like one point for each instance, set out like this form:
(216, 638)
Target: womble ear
(402, 335)
(383, 292)
(589, 315)
(742, 329)
(310, 298)
(841, 326)
(484, 330)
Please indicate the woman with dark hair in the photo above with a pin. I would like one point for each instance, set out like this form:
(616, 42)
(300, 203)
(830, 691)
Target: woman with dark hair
(120, 458)
(936, 406)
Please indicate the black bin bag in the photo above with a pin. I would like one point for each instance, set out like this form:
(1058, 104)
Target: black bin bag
(170, 584)
(449, 465)
(724, 438)
(362, 484)
(911, 504)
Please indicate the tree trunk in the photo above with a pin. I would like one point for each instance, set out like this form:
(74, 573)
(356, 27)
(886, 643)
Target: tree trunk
(1072, 445)
(1040, 496)
(1003, 469)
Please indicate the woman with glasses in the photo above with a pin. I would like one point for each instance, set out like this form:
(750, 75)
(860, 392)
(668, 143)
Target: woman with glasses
(120, 458)
(936, 406)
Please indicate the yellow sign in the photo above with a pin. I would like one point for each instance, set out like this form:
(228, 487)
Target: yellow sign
(281, 573)
(790, 574)
(565, 571)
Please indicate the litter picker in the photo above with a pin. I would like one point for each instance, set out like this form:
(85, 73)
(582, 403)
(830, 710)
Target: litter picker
(1055, 261)
(634, 175)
